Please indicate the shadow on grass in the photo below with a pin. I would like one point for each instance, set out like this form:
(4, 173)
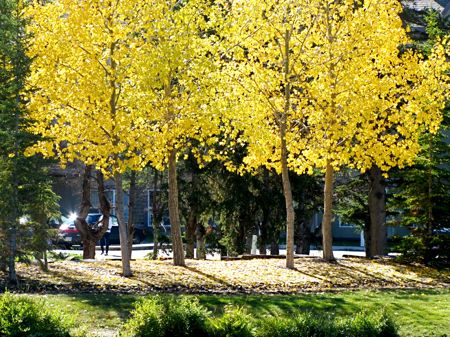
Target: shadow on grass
(279, 304)
(341, 304)
(121, 304)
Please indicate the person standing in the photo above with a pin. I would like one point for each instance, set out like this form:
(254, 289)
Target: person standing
(104, 241)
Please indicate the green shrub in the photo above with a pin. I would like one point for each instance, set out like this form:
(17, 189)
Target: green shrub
(160, 316)
(367, 325)
(235, 322)
(276, 326)
(22, 317)
(309, 325)
(302, 325)
(433, 250)
(167, 317)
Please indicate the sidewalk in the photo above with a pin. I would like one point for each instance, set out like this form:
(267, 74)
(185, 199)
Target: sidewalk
(149, 246)
(140, 251)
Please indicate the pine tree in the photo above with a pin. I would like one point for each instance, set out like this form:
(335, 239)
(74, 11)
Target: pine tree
(420, 194)
(26, 198)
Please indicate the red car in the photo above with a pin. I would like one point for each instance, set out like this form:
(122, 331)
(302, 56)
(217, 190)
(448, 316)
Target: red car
(68, 234)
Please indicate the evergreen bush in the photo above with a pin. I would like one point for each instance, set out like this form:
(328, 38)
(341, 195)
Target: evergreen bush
(23, 317)
(161, 316)
(235, 322)
(431, 250)
(167, 317)
(376, 324)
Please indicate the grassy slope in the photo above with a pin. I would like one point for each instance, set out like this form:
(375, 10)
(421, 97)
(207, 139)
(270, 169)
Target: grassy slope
(418, 313)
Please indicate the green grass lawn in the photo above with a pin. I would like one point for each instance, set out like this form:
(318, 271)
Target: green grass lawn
(418, 313)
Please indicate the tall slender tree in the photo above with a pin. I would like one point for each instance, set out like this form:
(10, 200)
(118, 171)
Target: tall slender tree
(369, 101)
(84, 102)
(121, 84)
(177, 89)
(263, 58)
(323, 85)
(26, 198)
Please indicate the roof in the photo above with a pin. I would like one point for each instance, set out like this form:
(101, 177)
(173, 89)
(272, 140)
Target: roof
(442, 6)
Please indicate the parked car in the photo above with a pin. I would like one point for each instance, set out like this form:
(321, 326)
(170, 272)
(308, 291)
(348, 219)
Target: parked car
(68, 233)
(114, 238)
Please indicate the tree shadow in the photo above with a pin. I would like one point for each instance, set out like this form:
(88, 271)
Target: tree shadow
(121, 304)
(411, 281)
(438, 275)
(369, 275)
(274, 305)
(320, 277)
(211, 277)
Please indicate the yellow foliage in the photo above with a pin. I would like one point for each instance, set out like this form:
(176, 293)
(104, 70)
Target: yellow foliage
(354, 98)
(119, 83)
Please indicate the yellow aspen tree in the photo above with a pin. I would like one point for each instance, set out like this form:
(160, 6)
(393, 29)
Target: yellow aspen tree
(358, 75)
(344, 42)
(264, 43)
(83, 89)
(177, 91)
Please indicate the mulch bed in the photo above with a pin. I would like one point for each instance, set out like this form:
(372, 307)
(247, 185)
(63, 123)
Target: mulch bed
(243, 276)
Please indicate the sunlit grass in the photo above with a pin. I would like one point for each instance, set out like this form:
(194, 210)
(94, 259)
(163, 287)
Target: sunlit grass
(418, 313)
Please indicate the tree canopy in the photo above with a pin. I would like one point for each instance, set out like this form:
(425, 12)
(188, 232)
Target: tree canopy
(304, 85)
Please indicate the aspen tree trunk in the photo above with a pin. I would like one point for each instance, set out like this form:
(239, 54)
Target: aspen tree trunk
(157, 215)
(80, 221)
(327, 234)
(105, 206)
(89, 249)
(131, 206)
(177, 243)
(45, 260)
(290, 215)
(123, 230)
(90, 236)
(377, 210)
(201, 250)
(264, 225)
